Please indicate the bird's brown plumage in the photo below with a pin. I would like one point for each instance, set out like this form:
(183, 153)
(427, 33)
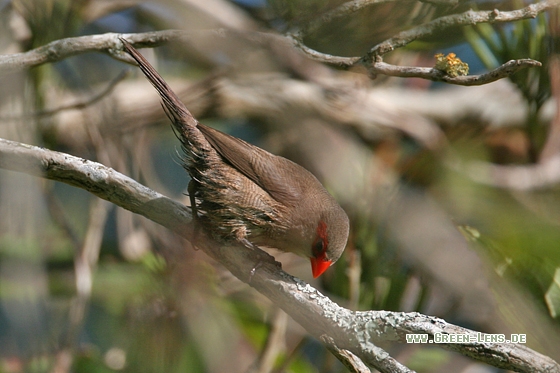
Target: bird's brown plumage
(246, 194)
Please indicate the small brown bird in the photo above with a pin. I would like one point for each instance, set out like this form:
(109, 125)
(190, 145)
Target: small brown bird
(240, 192)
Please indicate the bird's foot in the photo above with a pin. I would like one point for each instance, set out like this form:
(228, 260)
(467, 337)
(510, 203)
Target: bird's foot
(197, 226)
(264, 257)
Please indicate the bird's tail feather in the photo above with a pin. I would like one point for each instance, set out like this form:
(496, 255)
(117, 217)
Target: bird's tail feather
(185, 125)
(174, 108)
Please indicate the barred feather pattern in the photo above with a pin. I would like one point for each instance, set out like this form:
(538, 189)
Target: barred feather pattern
(223, 205)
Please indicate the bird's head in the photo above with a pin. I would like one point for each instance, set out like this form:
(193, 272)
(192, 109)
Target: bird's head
(331, 236)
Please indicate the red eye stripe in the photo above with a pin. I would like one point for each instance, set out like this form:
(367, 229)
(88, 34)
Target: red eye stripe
(322, 239)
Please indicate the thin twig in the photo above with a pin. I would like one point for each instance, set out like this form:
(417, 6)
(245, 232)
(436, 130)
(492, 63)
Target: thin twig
(348, 359)
(85, 263)
(78, 105)
(373, 62)
(109, 43)
(443, 2)
(503, 71)
(467, 18)
(343, 62)
(59, 217)
(338, 12)
(275, 343)
(552, 144)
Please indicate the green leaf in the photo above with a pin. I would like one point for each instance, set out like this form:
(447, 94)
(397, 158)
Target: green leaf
(552, 296)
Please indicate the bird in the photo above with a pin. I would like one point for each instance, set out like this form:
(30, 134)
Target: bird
(243, 194)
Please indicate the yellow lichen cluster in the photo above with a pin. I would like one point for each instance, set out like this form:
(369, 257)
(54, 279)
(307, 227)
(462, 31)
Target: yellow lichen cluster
(451, 65)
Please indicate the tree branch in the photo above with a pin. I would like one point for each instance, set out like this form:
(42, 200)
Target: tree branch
(97, 179)
(503, 71)
(350, 361)
(343, 62)
(356, 332)
(467, 18)
(373, 61)
(106, 43)
(428, 73)
(109, 43)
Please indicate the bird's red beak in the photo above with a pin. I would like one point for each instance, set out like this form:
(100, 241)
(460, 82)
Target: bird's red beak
(319, 265)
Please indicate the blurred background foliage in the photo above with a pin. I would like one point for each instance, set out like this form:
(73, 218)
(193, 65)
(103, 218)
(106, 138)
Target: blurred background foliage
(87, 287)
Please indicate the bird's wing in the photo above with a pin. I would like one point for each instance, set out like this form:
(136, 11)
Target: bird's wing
(270, 172)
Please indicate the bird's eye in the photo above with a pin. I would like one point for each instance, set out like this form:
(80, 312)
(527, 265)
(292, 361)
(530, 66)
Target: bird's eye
(318, 247)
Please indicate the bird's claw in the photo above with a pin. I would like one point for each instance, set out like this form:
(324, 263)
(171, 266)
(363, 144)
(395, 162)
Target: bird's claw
(264, 257)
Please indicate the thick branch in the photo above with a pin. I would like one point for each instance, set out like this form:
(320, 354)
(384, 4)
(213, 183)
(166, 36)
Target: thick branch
(97, 179)
(356, 332)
